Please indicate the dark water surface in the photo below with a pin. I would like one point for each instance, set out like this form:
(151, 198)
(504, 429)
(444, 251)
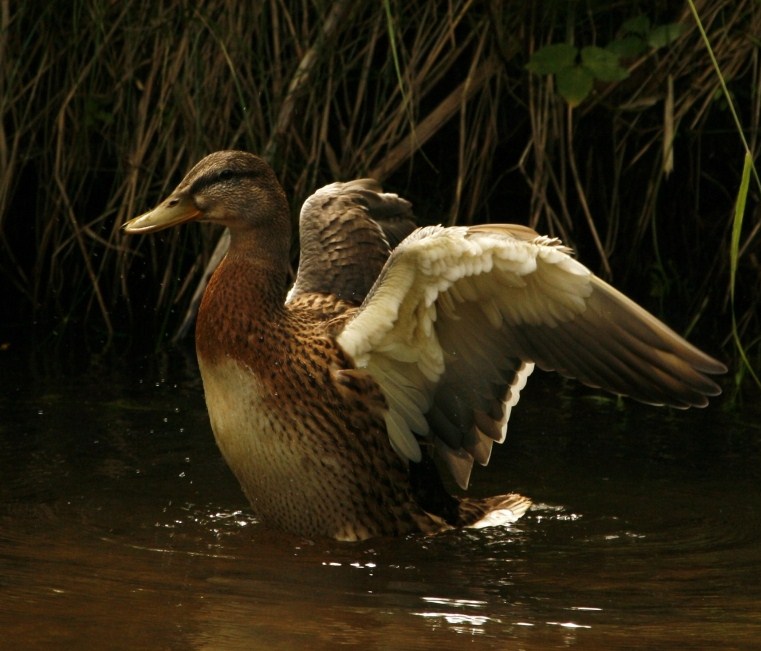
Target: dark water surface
(121, 528)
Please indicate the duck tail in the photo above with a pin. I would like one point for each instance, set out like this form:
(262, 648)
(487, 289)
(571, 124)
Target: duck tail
(494, 511)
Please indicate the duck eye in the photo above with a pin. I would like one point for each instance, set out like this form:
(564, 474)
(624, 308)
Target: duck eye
(225, 175)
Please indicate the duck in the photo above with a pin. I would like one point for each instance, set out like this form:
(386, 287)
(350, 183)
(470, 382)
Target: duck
(355, 403)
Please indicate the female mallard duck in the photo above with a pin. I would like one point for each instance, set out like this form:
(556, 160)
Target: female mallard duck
(335, 405)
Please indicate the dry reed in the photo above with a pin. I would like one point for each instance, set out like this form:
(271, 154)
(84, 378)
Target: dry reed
(106, 105)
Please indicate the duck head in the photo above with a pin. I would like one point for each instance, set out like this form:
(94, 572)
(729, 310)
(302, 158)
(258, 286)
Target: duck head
(231, 188)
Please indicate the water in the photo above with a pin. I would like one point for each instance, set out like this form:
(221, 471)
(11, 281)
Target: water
(121, 528)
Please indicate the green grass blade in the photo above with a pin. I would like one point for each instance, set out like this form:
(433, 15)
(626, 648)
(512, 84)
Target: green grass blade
(734, 251)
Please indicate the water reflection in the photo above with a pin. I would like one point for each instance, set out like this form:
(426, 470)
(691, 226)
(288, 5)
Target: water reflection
(120, 527)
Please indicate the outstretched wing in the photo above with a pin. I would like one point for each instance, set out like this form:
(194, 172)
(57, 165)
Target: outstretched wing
(459, 316)
(347, 231)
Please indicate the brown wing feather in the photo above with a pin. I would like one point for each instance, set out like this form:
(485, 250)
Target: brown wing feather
(347, 232)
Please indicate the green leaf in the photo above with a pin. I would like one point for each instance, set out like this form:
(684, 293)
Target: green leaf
(663, 35)
(604, 65)
(627, 47)
(574, 84)
(637, 25)
(552, 58)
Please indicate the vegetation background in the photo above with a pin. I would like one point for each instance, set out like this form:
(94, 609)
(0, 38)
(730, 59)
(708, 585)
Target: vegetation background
(620, 141)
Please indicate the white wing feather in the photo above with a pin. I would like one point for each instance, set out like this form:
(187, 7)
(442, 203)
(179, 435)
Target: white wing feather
(458, 317)
(394, 335)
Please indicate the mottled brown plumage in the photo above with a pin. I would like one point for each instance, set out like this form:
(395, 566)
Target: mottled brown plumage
(347, 231)
(335, 404)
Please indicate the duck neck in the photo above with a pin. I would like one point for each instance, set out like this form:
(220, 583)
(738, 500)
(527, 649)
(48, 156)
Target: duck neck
(244, 301)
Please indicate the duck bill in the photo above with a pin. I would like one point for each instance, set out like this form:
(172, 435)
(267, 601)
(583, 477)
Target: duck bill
(175, 210)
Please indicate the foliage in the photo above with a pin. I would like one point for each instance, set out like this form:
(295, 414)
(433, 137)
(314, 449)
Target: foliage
(577, 69)
(105, 105)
